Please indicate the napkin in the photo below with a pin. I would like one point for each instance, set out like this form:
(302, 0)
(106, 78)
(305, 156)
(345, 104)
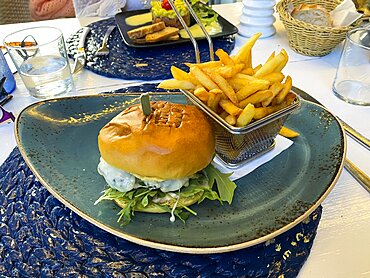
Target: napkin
(281, 144)
(345, 14)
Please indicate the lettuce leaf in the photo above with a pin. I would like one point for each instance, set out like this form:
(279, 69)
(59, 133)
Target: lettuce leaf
(225, 186)
(205, 13)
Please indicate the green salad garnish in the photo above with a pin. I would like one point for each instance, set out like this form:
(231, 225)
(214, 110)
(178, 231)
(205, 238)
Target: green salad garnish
(204, 12)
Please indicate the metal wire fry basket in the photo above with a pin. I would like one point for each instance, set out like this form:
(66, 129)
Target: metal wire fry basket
(236, 145)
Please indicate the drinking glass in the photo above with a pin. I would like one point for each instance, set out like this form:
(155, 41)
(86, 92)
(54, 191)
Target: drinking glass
(352, 81)
(40, 57)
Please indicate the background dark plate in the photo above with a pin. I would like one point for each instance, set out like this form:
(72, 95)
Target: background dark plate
(227, 29)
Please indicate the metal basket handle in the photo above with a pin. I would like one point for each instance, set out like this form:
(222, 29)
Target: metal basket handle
(195, 44)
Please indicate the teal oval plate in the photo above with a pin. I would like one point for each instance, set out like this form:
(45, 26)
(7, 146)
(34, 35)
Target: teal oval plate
(58, 140)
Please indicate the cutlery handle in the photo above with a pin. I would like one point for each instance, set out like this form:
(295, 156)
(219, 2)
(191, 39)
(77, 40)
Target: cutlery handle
(356, 135)
(81, 43)
(107, 33)
(360, 176)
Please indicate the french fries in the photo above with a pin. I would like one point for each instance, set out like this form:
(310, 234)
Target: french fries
(287, 132)
(209, 64)
(224, 57)
(246, 116)
(202, 94)
(275, 89)
(214, 98)
(203, 78)
(252, 88)
(179, 74)
(245, 53)
(224, 86)
(274, 77)
(287, 86)
(271, 65)
(172, 84)
(229, 107)
(256, 98)
(235, 89)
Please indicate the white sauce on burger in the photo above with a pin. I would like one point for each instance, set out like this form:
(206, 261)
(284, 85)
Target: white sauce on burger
(124, 182)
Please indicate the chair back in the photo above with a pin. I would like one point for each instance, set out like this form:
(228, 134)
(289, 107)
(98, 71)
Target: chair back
(14, 11)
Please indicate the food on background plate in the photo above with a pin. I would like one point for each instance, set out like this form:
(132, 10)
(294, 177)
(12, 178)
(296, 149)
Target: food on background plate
(163, 12)
(238, 92)
(160, 163)
(313, 14)
(139, 19)
(212, 28)
(168, 33)
(207, 16)
(145, 30)
(153, 33)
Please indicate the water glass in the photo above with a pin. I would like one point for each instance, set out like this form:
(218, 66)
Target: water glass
(40, 57)
(352, 81)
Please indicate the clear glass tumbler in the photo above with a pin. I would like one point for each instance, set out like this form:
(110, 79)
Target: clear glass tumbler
(352, 81)
(40, 57)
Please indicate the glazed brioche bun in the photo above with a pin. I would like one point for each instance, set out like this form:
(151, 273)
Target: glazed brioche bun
(313, 14)
(174, 141)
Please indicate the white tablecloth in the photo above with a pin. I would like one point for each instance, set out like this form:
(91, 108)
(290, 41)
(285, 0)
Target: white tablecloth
(342, 245)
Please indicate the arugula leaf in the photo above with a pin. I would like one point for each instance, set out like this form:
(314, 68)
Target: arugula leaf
(211, 195)
(126, 213)
(182, 215)
(224, 185)
(110, 194)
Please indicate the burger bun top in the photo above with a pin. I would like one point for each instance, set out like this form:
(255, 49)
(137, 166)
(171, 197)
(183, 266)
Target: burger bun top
(173, 142)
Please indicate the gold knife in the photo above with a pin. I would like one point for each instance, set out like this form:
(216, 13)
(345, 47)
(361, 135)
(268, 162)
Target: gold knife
(360, 176)
(356, 135)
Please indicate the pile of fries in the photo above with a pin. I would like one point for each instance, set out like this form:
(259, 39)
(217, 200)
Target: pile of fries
(235, 90)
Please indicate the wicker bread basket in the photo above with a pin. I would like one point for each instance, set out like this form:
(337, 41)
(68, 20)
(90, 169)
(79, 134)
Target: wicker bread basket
(309, 39)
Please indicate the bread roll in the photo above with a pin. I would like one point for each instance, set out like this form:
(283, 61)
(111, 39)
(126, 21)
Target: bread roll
(173, 142)
(313, 14)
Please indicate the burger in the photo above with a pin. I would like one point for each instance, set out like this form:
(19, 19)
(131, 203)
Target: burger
(162, 11)
(161, 162)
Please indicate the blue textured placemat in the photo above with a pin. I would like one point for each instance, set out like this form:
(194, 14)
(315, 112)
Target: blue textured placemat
(122, 59)
(39, 236)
